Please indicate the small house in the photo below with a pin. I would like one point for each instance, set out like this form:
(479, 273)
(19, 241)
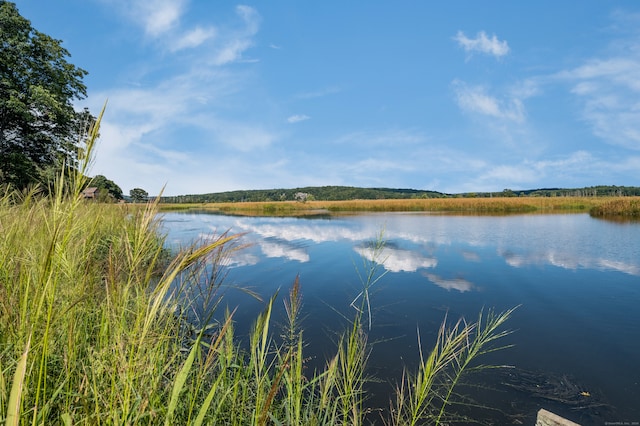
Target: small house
(90, 193)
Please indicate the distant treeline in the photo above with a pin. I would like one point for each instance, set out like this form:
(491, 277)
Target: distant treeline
(340, 193)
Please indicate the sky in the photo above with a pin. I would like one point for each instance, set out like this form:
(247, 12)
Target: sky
(457, 96)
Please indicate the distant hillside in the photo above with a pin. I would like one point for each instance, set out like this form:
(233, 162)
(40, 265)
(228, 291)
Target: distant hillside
(327, 193)
(338, 193)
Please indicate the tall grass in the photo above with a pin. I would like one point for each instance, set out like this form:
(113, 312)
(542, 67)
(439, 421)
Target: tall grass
(628, 207)
(484, 206)
(95, 328)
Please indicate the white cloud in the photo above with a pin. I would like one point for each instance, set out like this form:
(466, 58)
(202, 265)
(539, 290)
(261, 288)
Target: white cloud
(238, 41)
(193, 38)
(482, 44)
(251, 18)
(580, 167)
(161, 15)
(231, 51)
(156, 17)
(193, 97)
(610, 91)
(476, 100)
(161, 20)
(298, 118)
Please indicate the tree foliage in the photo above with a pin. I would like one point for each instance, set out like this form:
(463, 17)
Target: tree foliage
(107, 186)
(138, 195)
(338, 193)
(328, 193)
(39, 128)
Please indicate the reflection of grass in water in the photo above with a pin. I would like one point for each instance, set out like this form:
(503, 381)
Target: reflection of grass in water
(93, 329)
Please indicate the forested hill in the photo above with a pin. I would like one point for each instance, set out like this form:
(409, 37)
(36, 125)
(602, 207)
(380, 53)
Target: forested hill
(337, 193)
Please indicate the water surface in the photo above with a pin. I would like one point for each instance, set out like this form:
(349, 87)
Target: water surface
(575, 278)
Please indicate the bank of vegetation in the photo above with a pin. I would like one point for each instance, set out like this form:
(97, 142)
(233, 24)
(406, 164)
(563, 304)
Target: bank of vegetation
(620, 207)
(598, 206)
(348, 193)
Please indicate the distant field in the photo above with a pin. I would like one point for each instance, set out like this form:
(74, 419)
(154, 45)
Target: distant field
(499, 205)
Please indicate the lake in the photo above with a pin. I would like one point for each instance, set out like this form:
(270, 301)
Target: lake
(576, 281)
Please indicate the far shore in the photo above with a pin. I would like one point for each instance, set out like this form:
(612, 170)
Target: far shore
(597, 206)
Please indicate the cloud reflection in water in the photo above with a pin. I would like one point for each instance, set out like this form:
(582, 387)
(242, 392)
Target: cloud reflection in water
(459, 284)
(567, 242)
(398, 260)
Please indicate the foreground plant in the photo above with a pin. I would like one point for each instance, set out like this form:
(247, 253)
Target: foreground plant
(426, 396)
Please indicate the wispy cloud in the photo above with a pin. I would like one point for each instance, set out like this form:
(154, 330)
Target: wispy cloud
(482, 44)
(298, 118)
(579, 168)
(608, 84)
(156, 17)
(610, 91)
(232, 47)
(193, 38)
(191, 97)
(475, 99)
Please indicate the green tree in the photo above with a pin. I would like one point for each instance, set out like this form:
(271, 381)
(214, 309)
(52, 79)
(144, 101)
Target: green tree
(138, 195)
(39, 128)
(106, 185)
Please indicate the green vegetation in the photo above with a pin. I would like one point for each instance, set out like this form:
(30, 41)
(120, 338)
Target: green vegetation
(108, 190)
(138, 195)
(94, 330)
(38, 124)
(348, 193)
(484, 206)
(327, 193)
(624, 207)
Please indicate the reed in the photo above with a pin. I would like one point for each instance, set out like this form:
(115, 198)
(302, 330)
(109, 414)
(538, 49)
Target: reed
(628, 207)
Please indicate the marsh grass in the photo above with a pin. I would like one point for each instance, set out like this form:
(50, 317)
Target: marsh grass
(482, 206)
(628, 207)
(95, 329)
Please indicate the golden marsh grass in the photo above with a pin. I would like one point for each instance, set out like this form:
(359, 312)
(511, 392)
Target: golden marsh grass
(497, 205)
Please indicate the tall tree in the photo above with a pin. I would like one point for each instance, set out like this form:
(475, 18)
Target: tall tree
(107, 185)
(138, 195)
(39, 128)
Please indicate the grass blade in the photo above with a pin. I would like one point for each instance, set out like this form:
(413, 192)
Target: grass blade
(13, 407)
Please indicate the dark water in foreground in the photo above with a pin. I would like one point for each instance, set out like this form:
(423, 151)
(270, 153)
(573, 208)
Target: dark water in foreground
(576, 278)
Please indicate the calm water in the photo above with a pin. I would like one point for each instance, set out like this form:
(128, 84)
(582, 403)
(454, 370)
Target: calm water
(576, 278)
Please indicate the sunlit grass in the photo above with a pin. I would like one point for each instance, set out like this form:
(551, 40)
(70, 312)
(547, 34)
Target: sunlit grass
(496, 205)
(622, 207)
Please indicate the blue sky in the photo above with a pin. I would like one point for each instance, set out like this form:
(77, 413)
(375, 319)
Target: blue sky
(454, 96)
